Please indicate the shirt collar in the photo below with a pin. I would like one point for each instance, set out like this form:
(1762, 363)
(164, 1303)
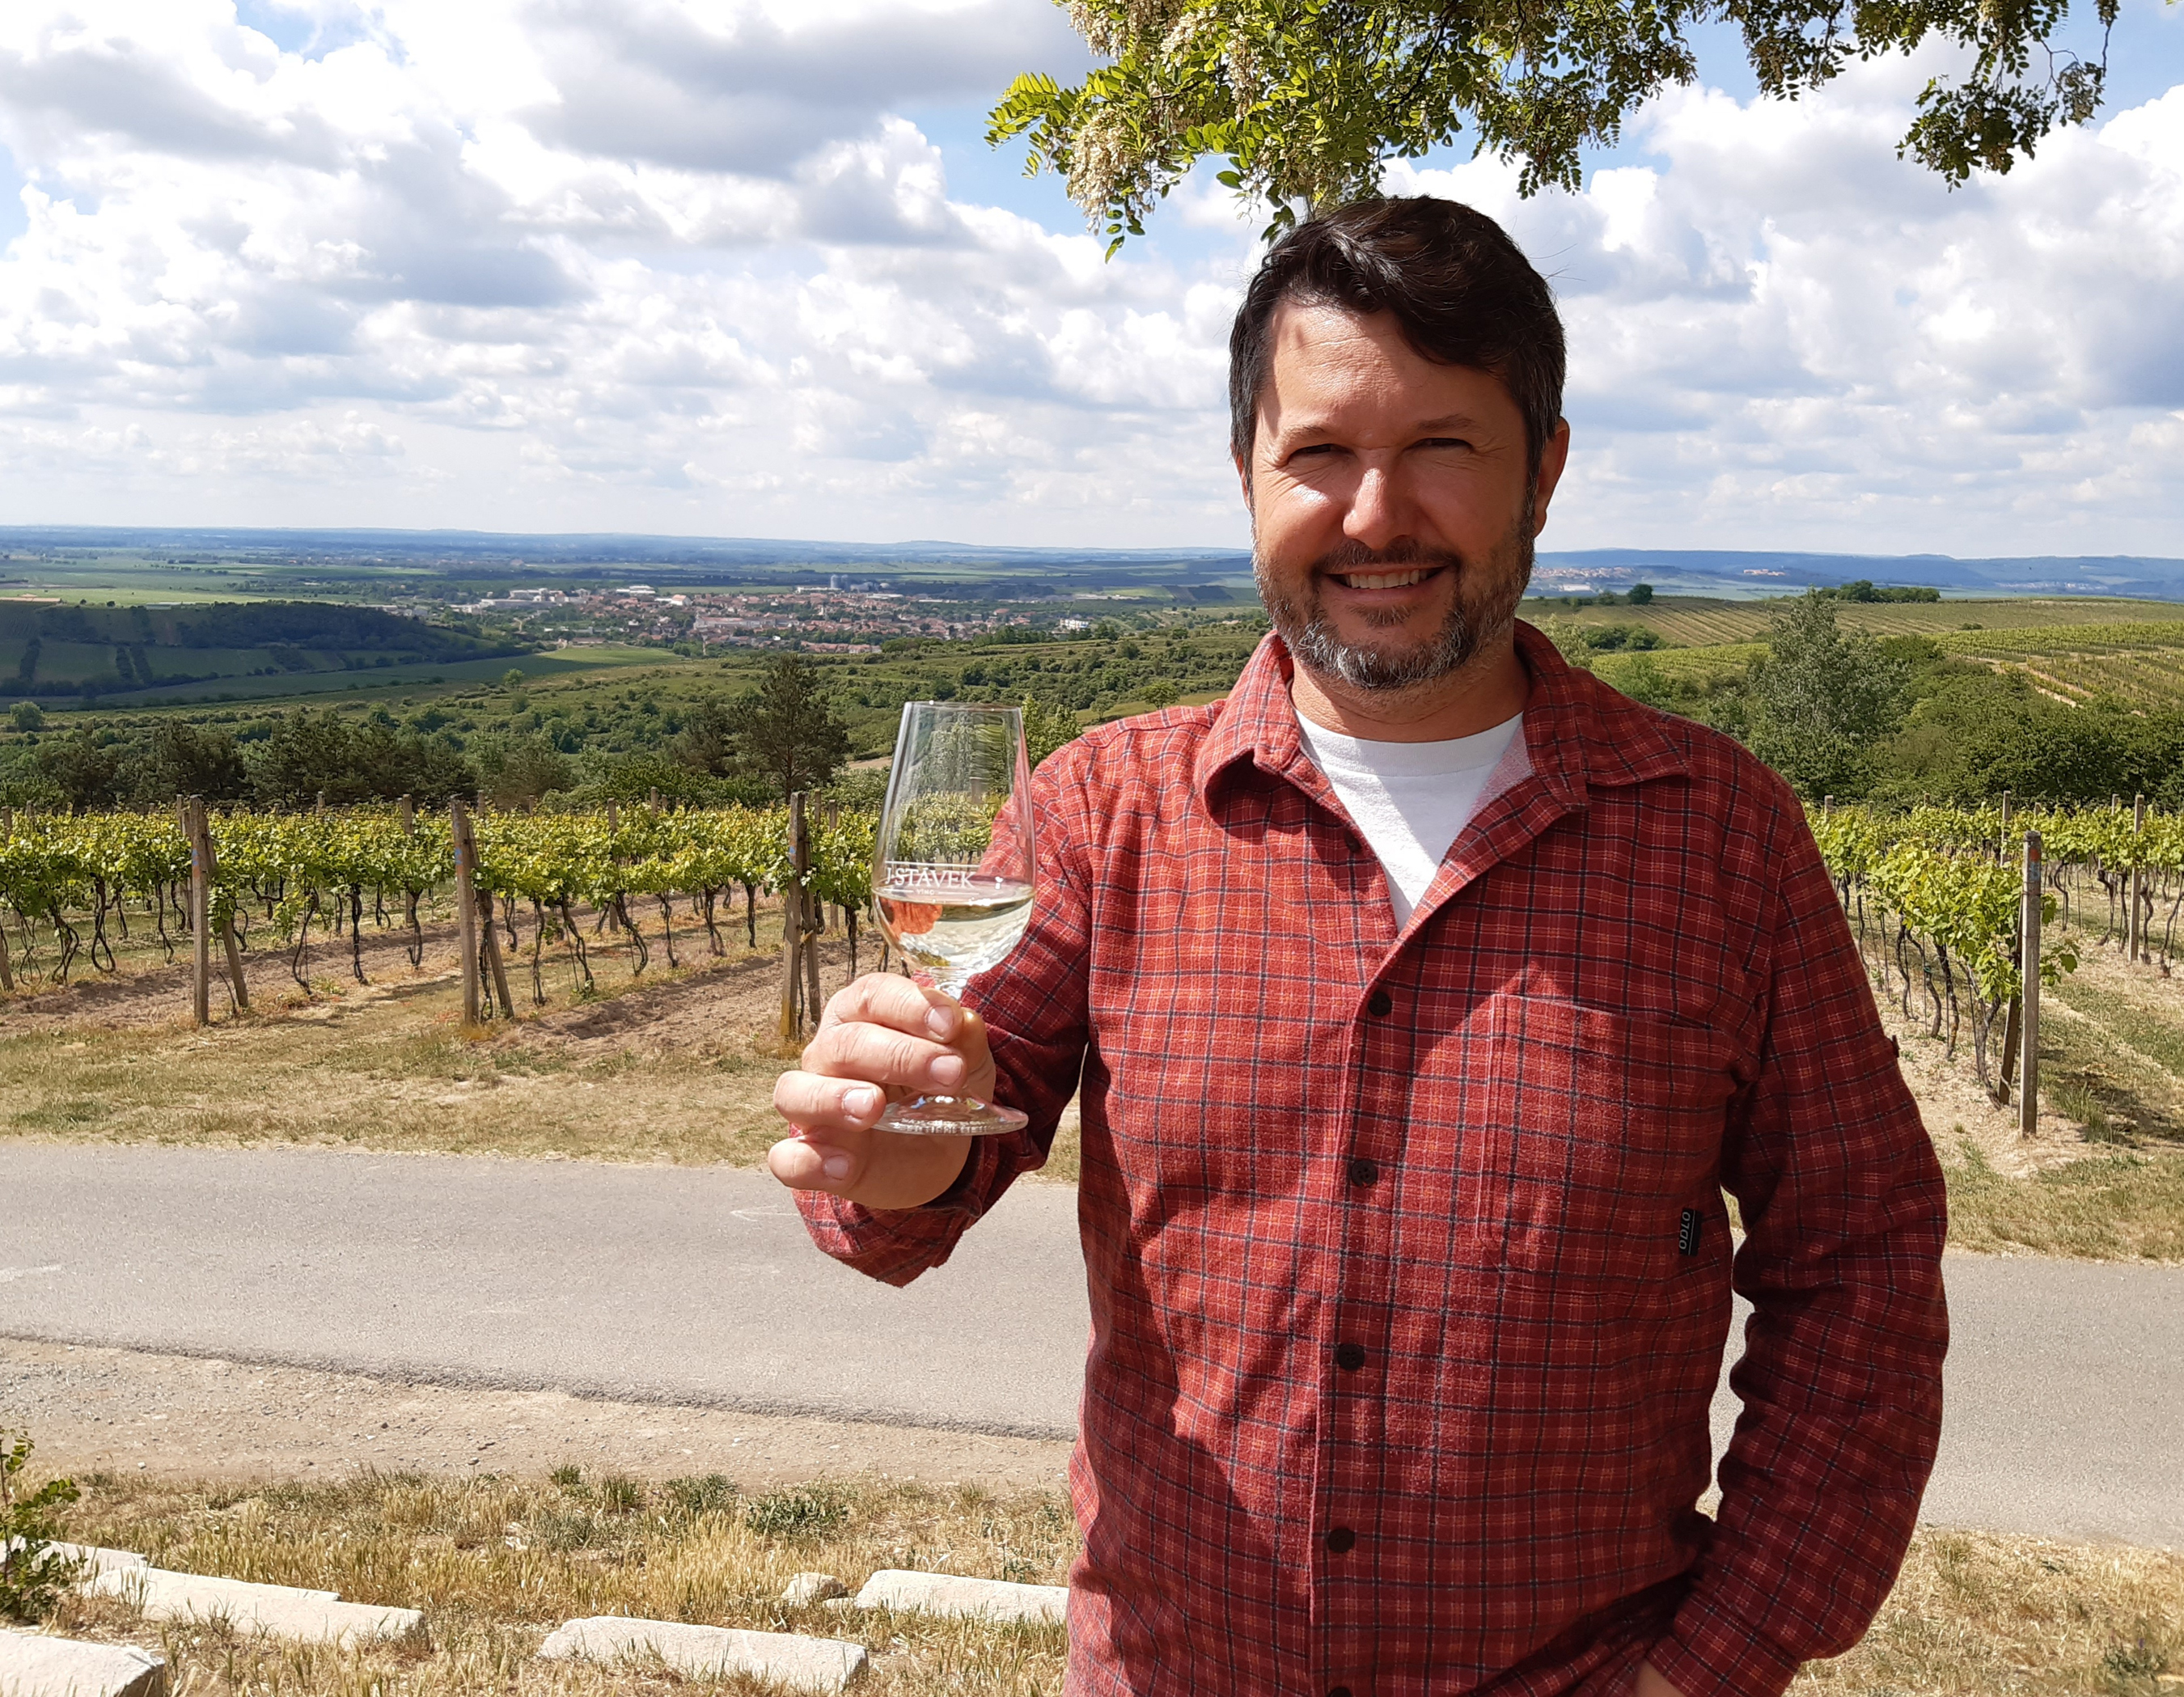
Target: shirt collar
(1578, 731)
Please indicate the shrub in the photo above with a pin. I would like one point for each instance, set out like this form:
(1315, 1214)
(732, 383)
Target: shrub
(802, 1510)
(31, 1576)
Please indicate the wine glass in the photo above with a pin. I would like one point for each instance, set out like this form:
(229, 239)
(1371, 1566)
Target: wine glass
(953, 869)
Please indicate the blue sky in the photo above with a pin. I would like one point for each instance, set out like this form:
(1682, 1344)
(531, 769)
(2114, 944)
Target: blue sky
(747, 267)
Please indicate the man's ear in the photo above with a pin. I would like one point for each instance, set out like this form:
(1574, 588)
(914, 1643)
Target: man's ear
(1243, 474)
(1554, 457)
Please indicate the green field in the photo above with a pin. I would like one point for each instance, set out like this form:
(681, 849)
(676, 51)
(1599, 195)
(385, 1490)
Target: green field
(335, 688)
(1694, 621)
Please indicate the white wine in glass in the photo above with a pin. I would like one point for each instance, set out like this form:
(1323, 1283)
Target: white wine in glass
(954, 872)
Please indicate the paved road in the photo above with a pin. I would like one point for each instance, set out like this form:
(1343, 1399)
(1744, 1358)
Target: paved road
(697, 1286)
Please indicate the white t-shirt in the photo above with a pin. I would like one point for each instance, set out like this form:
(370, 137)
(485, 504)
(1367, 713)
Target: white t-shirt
(1411, 800)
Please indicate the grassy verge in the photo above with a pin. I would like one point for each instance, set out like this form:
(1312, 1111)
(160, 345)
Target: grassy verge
(382, 1069)
(496, 1563)
(2124, 1206)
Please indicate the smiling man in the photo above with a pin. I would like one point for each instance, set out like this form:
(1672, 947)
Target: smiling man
(1426, 995)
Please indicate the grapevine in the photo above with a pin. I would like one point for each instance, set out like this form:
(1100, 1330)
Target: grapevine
(64, 880)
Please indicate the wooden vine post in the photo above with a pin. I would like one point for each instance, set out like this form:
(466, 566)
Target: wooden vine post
(793, 941)
(2139, 951)
(409, 816)
(7, 973)
(474, 924)
(198, 824)
(466, 930)
(2028, 966)
(200, 843)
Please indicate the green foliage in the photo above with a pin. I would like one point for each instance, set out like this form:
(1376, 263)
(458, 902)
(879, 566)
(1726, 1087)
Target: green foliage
(1047, 728)
(712, 1493)
(86, 771)
(1614, 638)
(182, 758)
(1160, 692)
(1863, 590)
(799, 1511)
(707, 743)
(309, 754)
(788, 731)
(1641, 594)
(1823, 700)
(1305, 100)
(522, 774)
(31, 1576)
(26, 715)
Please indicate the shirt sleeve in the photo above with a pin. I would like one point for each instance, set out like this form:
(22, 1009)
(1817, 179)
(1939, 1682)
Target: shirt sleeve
(1845, 1214)
(1034, 1006)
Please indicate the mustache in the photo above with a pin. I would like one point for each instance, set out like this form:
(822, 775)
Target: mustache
(1353, 556)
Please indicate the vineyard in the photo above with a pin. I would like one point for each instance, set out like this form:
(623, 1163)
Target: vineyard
(1935, 895)
(73, 887)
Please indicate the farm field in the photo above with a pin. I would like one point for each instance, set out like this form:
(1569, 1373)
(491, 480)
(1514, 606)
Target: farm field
(1694, 622)
(495, 1562)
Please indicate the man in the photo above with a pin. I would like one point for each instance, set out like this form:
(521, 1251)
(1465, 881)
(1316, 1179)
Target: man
(1426, 995)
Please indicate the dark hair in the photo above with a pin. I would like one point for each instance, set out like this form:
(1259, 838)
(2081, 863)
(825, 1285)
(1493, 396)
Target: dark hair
(1456, 283)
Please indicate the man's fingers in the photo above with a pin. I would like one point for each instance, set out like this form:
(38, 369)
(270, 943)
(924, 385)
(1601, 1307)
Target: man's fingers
(883, 1055)
(814, 1100)
(884, 999)
(808, 1161)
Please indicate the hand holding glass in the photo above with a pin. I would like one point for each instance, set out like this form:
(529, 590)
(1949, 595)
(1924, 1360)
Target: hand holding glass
(954, 871)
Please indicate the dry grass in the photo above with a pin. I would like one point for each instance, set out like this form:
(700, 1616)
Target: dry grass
(671, 1064)
(496, 1563)
(1976, 1615)
(2128, 1205)
(383, 1071)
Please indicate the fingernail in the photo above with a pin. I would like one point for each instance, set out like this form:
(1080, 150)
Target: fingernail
(947, 1069)
(861, 1103)
(940, 1021)
(835, 1166)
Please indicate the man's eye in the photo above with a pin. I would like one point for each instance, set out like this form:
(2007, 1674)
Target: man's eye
(1317, 449)
(1445, 443)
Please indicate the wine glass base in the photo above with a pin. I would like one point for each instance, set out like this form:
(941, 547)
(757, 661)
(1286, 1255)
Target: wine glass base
(951, 1116)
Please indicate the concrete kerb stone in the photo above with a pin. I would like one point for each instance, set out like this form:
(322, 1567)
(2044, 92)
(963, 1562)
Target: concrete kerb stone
(950, 1594)
(91, 1560)
(814, 1665)
(284, 1612)
(88, 1559)
(34, 1665)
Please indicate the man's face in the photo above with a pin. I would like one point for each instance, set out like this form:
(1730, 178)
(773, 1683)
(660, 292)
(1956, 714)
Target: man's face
(1392, 507)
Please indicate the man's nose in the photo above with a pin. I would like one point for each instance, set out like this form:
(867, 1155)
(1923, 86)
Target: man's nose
(1379, 509)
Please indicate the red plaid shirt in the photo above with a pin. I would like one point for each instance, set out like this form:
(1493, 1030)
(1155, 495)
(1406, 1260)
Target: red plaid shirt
(1402, 1347)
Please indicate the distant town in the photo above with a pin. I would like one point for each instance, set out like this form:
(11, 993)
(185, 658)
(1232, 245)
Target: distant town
(845, 616)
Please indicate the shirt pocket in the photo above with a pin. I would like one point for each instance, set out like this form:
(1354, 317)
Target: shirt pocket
(1601, 1129)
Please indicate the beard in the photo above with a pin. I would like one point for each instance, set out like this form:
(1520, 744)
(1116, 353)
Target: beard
(1485, 601)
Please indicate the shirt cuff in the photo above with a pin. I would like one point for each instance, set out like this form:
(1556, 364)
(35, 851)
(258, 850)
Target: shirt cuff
(894, 1245)
(1705, 1655)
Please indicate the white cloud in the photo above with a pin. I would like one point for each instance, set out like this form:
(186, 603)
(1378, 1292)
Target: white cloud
(686, 265)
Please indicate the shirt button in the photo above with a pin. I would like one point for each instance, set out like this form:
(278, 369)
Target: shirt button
(1350, 1357)
(1363, 1172)
(1379, 1004)
(1342, 1540)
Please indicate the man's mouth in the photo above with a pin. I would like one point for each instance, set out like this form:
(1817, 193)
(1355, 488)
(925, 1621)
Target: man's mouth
(1384, 580)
